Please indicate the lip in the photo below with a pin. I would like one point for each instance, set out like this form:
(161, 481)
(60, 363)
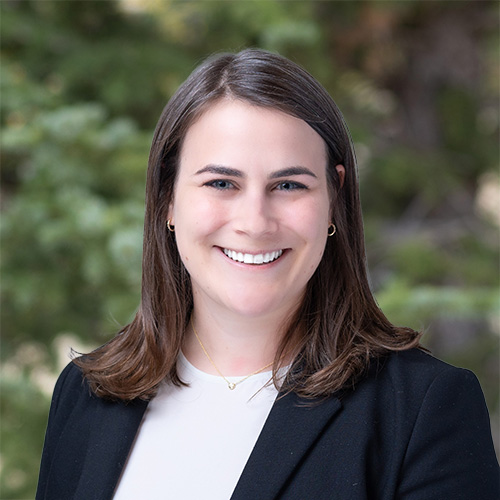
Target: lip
(253, 258)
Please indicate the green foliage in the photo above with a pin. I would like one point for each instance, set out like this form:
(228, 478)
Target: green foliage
(74, 227)
(92, 51)
(419, 261)
(418, 306)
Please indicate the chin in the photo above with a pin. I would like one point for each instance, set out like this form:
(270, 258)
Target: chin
(259, 305)
(251, 309)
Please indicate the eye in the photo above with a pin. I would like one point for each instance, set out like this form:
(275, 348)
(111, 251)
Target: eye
(290, 186)
(220, 184)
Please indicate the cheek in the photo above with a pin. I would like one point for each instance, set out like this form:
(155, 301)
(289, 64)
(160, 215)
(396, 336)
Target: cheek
(310, 223)
(310, 220)
(197, 213)
(196, 221)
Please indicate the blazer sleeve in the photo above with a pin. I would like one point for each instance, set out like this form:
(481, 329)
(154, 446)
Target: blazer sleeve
(450, 453)
(67, 388)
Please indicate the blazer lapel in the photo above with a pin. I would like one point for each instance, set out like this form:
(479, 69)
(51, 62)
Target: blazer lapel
(289, 431)
(114, 427)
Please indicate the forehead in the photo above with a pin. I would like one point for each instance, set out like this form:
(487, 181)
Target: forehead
(237, 131)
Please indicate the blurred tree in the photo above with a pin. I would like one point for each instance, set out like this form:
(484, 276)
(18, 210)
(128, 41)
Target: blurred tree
(83, 83)
(74, 225)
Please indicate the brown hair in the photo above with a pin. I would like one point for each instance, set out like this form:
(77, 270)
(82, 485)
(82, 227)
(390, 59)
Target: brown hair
(338, 327)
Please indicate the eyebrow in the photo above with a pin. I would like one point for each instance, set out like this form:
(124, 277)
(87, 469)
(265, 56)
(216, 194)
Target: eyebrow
(221, 170)
(287, 172)
(232, 172)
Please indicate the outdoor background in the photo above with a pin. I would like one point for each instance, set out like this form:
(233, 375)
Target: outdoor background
(82, 86)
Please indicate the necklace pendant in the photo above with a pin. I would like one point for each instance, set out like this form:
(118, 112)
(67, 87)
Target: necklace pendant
(231, 386)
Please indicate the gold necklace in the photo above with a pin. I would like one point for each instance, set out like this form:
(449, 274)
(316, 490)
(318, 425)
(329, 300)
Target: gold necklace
(231, 385)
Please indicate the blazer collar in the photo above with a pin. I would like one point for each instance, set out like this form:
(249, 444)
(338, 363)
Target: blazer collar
(290, 429)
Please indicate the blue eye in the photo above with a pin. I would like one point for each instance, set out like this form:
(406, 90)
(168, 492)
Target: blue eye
(220, 184)
(290, 186)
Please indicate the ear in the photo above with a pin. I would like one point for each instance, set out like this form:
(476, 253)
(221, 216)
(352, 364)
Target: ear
(341, 171)
(170, 214)
(170, 210)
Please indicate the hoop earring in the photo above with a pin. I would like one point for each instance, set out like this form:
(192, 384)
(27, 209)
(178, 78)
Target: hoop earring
(331, 229)
(169, 227)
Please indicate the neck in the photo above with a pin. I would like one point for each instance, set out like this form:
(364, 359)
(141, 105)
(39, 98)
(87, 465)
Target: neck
(238, 346)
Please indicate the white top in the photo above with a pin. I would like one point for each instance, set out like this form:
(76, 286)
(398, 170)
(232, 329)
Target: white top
(194, 441)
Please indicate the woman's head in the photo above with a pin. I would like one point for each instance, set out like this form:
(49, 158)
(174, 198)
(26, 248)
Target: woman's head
(271, 82)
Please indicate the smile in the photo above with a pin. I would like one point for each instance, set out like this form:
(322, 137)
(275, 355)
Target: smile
(248, 258)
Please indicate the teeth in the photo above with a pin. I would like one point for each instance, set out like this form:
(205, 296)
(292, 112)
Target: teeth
(248, 258)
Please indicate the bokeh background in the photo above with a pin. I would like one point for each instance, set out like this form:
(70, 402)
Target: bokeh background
(82, 86)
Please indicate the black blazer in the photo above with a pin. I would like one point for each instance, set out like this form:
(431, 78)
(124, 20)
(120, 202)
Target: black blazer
(414, 428)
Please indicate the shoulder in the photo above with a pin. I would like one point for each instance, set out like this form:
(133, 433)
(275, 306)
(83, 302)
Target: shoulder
(73, 397)
(429, 420)
(406, 388)
(423, 381)
(76, 411)
(412, 361)
(417, 371)
(73, 391)
(443, 416)
(70, 381)
(71, 376)
(70, 388)
(417, 360)
(410, 379)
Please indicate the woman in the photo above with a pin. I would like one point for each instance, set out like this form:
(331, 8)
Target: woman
(258, 365)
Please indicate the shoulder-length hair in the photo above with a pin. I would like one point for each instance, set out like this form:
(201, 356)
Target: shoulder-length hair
(337, 329)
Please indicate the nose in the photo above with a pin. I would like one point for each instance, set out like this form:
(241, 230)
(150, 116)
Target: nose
(255, 214)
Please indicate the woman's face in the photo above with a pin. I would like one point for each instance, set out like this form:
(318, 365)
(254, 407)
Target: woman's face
(250, 208)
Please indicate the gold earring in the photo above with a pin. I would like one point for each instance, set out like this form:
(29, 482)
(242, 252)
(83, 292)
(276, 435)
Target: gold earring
(331, 229)
(170, 228)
